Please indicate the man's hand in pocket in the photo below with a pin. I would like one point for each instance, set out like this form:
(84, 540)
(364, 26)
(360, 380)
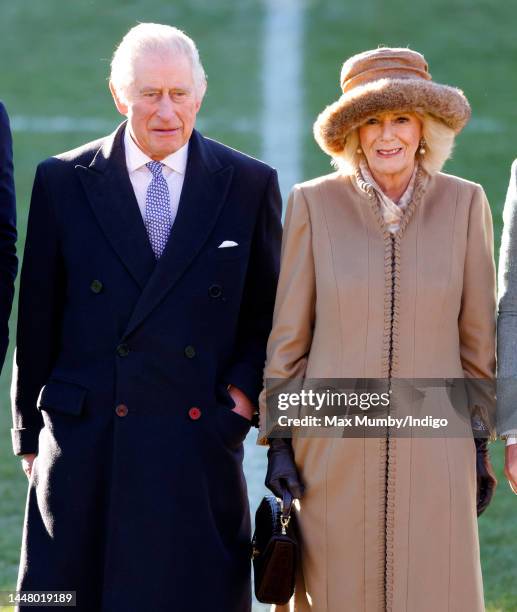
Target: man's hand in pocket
(243, 406)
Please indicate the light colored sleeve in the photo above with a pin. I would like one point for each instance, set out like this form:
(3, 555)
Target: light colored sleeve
(507, 319)
(477, 320)
(511, 437)
(293, 320)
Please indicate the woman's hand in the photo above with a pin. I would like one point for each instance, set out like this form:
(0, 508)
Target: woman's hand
(486, 480)
(510, 466)
(281, 469)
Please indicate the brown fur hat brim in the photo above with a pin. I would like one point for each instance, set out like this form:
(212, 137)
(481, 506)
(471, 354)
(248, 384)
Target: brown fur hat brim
(388, 95)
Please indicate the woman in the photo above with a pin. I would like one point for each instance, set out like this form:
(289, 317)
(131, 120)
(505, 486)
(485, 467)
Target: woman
(387, 273)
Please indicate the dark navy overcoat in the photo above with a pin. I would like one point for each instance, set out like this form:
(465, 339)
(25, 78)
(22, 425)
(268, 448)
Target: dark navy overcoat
(137, 500)
(8, 260)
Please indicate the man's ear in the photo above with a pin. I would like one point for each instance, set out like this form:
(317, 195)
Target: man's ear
(119, 103)
(199, 101)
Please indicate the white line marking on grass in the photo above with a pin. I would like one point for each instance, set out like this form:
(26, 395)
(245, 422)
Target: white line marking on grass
(96, 125)
(282, 118)
(49, 125)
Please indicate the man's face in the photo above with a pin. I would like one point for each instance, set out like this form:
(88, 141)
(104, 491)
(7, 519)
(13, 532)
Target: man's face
(161, 104)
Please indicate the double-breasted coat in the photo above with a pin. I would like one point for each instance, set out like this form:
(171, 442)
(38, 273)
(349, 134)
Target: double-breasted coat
(387, 523)
(137, 499)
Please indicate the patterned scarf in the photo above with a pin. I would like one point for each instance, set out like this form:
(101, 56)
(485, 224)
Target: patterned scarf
(392, 212)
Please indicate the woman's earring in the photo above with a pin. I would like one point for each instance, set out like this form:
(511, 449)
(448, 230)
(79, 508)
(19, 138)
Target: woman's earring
(359, 151)
(422, 149)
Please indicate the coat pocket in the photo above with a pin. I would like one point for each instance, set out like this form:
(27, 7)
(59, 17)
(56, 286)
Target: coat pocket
(232, 427)
(62, 397)
(226, 253)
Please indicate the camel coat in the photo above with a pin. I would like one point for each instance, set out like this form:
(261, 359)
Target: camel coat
(386, 523)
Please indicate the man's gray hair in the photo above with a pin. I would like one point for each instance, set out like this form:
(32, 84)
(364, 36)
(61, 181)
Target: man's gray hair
(153, 38)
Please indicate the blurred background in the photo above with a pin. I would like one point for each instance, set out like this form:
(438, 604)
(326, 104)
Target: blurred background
(272, 65)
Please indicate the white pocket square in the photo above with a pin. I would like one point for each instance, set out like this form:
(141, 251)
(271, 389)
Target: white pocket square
(227, 243)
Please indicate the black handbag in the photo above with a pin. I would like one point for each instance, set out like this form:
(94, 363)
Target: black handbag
(275, 550)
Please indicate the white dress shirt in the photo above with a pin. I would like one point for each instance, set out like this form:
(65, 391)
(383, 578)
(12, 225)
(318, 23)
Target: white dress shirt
(175, 165)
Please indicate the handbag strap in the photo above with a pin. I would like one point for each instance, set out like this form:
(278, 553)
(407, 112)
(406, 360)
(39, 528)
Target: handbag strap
(287, 502)
(286, 506)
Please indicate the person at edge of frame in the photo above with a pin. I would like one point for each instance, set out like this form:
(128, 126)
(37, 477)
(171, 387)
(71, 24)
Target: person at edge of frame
(388, 266)
(147, 293)
(507, 333)
(8, 259)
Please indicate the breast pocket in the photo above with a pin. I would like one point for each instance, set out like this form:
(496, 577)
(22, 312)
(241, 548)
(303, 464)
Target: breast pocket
(226, 253)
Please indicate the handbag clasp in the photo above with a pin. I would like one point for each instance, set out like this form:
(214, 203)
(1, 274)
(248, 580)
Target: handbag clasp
(284, 521)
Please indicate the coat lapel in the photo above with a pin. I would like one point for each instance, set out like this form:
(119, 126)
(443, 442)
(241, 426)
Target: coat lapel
(202, 197)
(111, 196)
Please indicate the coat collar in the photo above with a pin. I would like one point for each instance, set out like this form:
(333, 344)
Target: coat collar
(111, 196)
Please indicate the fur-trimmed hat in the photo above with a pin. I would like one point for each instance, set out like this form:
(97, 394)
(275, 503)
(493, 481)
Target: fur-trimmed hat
(384, 80)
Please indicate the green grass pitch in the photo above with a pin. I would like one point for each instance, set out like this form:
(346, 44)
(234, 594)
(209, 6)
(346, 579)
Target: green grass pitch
(55, 58)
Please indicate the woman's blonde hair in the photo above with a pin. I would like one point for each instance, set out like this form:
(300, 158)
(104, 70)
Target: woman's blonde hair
(438, 148)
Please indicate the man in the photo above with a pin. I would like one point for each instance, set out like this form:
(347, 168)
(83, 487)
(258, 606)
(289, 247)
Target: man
(146, 299)
(507, 333)
(8, 261)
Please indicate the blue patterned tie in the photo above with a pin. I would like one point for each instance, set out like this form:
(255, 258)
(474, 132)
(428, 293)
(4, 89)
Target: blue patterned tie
(158, 220)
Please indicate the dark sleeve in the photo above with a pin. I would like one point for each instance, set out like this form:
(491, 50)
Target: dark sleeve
(258, 301)
(8, 261)
(42, 286)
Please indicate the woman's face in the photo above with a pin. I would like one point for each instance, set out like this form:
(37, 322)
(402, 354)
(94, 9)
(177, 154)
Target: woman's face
(389, 142)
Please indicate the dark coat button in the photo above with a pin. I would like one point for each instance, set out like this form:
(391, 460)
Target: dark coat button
(96, 286)
(194, 413)
(122, 350)
(121, 410)
(190, 352)
(215, 291)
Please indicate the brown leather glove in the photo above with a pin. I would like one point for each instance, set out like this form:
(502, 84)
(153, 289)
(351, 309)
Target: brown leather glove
(486, 480)
(281, 469)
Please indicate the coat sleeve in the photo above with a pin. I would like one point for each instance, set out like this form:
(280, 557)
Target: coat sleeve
(507, 319)
(294, 315)
(8, 260)
(256, 311)
(40, 304)
(477, 317)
